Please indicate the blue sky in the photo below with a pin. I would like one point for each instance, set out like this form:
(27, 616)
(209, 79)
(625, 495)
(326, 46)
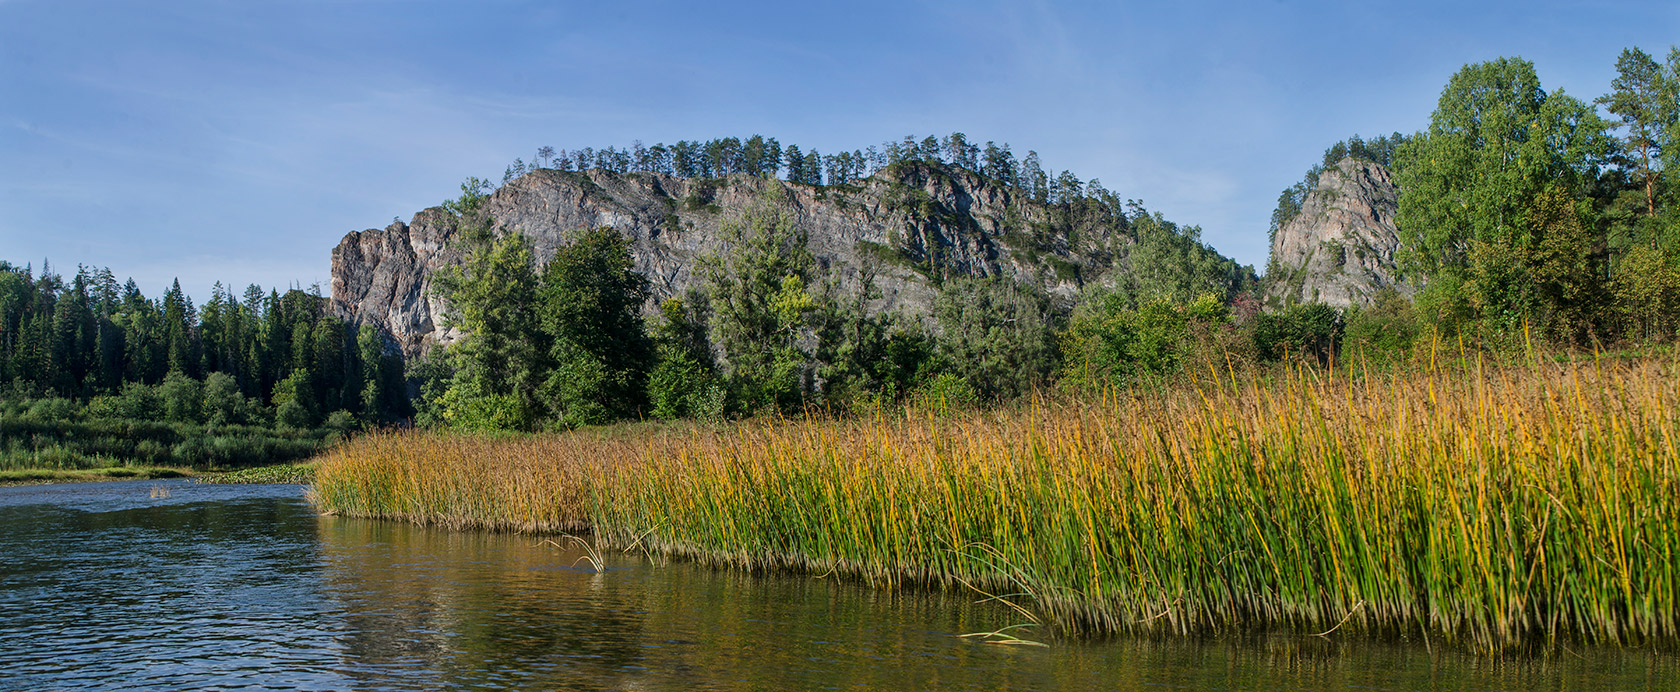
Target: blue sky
(238, 141)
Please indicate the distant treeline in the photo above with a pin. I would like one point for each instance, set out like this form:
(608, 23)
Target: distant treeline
(90, 336)
(765, 157)
(87, 348)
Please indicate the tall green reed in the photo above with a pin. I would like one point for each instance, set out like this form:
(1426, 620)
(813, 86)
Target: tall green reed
(1495, 507)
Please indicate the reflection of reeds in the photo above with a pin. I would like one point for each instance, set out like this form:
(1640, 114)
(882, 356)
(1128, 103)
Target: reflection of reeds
(1494, 507)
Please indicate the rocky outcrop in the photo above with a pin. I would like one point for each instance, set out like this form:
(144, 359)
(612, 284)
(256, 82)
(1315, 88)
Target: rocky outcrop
(1339, 249)
(912, 225)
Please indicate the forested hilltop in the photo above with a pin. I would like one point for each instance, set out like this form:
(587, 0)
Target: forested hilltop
(763, 293)
(738, 277)
(764, 307)
(919, 219)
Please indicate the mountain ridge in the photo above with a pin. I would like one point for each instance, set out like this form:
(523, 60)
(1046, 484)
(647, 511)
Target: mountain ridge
(912, 225)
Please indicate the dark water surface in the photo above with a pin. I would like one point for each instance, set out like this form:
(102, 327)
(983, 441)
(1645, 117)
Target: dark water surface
(173, 585)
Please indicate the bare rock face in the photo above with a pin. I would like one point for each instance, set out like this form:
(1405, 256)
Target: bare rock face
(911, 224)
(1340, 248)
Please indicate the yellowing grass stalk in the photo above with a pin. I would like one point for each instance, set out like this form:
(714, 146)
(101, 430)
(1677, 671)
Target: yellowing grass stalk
(1494, 507)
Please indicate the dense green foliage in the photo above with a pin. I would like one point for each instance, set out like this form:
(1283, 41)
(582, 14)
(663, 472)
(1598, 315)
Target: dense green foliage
(763, 310)
(1490, 183)
(90, 337)
(61, 434)
(1110, 342)
(1523, 216)
(132, 380)
(498, 371)
(601, 351)
(1514, 205)
(562, 347)
(999, 337)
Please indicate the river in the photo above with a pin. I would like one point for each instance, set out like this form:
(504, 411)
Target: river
(174, 585)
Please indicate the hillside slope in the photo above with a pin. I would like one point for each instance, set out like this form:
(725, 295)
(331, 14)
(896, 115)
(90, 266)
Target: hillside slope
(913, 224)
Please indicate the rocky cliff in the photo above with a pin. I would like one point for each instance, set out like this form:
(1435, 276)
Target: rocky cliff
(914, 224)
(1339, 249)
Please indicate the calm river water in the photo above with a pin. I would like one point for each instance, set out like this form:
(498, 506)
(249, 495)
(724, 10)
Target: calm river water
(174, 585)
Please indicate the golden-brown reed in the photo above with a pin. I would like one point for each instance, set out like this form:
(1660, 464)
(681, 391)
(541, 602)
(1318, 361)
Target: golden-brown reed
(1495, 507)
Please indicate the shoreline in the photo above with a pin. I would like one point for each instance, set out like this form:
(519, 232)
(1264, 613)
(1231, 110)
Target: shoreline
(47, 476)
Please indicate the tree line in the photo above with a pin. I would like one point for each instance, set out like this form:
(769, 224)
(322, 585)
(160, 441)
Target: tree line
(263, 358)
(765, 157)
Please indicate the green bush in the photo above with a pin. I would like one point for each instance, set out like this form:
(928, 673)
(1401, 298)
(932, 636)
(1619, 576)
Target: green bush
(998, 335)
(54, 409)
(293, 415)
(341, 423)
(1383, 333)
(1309, 331)
(222, 401)
(1110, 344)
(182, 397)
(682, 387)
(948, 392)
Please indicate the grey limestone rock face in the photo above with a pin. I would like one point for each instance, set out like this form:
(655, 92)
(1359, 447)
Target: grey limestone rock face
(1340, 249)
(911, 225)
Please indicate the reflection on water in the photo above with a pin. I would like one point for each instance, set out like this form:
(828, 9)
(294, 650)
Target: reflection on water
(113, 586)
(490, 609)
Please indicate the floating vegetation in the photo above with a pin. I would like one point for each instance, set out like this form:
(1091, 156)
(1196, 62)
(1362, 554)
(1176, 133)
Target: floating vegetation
(1497, 508)
(298, 474)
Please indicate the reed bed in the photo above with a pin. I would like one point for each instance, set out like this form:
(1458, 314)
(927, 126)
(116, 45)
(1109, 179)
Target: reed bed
(1497, 508)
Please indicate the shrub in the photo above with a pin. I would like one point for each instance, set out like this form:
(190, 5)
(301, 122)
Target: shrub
(947, 393)
(223, 402)
(1383, 332)
(54, 409)
(1111, 345)
(1311, 331)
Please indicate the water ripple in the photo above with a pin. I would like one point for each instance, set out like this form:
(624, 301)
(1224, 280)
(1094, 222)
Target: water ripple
(103, 586)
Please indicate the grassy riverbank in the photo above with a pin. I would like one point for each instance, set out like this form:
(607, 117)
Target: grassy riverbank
(110, 473)
(1496, 508)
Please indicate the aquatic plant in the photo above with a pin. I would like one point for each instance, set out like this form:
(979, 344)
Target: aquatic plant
(300, 474)
(1495, 507)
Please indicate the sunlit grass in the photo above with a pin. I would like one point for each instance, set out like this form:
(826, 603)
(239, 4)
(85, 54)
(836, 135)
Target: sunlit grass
(1494, 507)
(123, 473)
